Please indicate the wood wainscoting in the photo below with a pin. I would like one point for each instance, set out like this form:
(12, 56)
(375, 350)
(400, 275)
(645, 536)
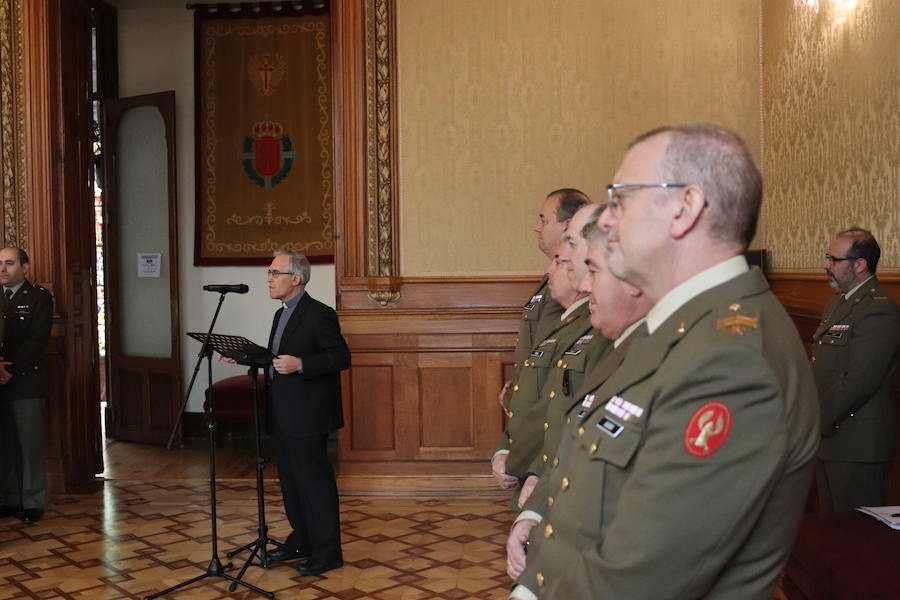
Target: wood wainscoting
(421, 396)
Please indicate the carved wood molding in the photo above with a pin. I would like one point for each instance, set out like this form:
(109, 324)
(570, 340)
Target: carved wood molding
(13, 173)
(381, 256)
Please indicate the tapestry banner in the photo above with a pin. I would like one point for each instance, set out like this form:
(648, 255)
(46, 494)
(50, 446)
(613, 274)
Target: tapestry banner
(264, 139)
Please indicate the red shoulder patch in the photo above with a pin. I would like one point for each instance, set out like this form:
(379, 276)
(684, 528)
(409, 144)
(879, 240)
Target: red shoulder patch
(707, 429)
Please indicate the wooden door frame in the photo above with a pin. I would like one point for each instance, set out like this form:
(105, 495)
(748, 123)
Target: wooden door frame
(114, 110)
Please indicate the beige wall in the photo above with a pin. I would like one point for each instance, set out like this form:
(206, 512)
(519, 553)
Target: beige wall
(832, 127)
(503, 101)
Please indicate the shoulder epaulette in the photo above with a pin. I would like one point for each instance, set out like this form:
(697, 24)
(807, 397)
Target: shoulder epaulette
(737, 319)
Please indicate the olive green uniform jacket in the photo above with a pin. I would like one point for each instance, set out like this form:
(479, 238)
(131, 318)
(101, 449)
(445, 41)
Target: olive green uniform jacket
(564, 378)
(685, 473)
(540, 314)
(524, 433)
(855, 353)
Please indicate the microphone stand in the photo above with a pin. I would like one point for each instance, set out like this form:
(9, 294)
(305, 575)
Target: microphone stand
(215, 568)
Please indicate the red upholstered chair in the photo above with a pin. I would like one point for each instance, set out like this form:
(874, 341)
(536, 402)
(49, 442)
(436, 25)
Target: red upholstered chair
(234, 399)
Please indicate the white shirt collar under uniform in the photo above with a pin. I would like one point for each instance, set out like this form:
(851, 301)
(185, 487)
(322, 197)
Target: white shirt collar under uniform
(856, 289)
(628, 331)
(573, 308)
(696, 285)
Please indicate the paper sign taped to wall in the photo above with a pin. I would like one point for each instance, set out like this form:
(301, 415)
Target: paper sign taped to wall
(149, 264)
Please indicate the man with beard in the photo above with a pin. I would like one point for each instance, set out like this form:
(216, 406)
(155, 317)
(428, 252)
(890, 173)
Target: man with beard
(540, 312)
(686, 473)
(855, 353)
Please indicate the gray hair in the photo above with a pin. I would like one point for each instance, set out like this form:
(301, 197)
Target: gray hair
(716, 160)
(592, 232)
(299, 263)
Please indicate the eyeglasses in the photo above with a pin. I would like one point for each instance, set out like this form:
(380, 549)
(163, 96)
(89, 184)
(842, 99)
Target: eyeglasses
(615, 198)
(271, 273)
(834, 259)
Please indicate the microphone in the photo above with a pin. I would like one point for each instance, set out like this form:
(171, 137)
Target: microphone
(224, 288)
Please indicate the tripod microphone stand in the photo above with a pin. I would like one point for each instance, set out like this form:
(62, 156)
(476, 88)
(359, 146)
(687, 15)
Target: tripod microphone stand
(262, 538)
(215, 568)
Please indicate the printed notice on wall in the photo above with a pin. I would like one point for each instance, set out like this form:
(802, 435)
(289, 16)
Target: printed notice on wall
(149, 264)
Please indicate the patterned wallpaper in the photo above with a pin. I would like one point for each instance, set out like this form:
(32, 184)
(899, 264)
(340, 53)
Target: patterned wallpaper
(831, 127)
(500, 102)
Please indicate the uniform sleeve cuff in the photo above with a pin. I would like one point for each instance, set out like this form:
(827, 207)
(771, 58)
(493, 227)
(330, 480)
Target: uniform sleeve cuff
(528, 514)
(520, 592)
(499, 452)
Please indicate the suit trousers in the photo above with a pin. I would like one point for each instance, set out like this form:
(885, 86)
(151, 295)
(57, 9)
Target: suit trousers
(842, 486)
(309, 492)
(24, 477)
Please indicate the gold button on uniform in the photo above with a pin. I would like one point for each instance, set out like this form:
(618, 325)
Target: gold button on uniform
(593, 447)
(540, 579)
(559, 363)
(552, 394)
(525, 363)
(549, 500)
(548, 530)
(546, 425)
(565, 484)
(555, 460)
(516, 388)
(580, 431)
(565, 365)
(545, 458)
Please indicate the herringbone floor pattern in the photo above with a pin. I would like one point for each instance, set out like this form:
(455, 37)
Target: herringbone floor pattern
(135, 538)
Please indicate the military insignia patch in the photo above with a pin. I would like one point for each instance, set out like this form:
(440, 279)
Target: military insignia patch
(588, 401)
(707, 429)
(537, 298)
(623, 409)
(738, 324)
(839, 328)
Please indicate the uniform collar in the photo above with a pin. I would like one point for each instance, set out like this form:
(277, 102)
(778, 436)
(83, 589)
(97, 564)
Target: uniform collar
(856, 289)
(628, 331)
(696, 285)
(15, 288)
(575, 305)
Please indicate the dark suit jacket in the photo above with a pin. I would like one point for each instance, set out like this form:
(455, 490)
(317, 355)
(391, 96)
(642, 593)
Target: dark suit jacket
(28, 318)
(855, 354)
(309, 403)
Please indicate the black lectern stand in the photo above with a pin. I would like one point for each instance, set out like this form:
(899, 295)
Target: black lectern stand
(225, 345)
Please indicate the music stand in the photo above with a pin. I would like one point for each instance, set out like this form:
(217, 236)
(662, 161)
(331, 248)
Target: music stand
(245, 352)
(225, 345)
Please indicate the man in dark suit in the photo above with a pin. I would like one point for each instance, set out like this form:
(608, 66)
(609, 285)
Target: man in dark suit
(304, 395)
(28, 315)
(855, 353)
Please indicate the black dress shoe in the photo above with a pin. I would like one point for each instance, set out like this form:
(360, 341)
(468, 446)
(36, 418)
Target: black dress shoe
(316, 566)
(31, 515)
(283, 554)
(9, 511)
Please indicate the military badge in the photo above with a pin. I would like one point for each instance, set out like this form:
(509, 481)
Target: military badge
(707, 429)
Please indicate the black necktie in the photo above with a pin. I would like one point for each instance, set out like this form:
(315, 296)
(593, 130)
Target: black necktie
(8, 293)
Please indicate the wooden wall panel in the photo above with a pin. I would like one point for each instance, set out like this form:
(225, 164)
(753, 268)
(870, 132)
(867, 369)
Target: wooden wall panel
(372, 408)
(424, 397)
(446, 407)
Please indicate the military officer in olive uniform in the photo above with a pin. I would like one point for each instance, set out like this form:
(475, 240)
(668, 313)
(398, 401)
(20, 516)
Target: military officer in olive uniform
(855, 353)
(617, 311)
(565, 372)
(540, 312)
(524, 434)
(684, 474)
(28, 319)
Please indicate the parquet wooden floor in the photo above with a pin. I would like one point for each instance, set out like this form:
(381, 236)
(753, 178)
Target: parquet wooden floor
(136, 537)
